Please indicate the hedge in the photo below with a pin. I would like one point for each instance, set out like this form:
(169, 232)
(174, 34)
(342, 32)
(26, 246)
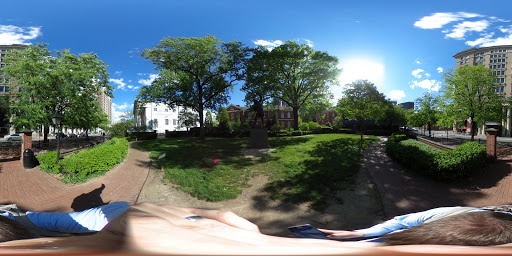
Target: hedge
(437, 164)
(88, 163)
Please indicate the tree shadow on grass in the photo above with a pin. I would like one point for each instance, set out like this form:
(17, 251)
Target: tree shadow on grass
(332, 167)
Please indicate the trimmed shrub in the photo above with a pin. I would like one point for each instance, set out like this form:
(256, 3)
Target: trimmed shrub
(314, 126)
(437, 164)
(88, 163)
(304, 127)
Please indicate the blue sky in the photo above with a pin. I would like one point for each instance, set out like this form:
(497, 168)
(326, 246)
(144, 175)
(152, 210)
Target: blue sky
(401, 46)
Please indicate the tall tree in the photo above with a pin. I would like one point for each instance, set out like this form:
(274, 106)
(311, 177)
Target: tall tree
(293, 73)
(46, 84)
(188, 119)
(427, 110)
(196, 73)
(470, 93)
(361, 102)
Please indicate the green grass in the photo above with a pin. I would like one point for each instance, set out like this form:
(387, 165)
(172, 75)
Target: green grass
(301, 169)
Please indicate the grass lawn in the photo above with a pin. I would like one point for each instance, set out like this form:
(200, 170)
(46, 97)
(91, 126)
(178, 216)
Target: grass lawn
(301, 169)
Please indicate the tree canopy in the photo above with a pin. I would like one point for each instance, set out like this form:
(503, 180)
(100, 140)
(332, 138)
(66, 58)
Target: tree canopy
(470, 93)
(361, 102)
(293, 73)
(65, 83)
(196, 73)
(427, 111)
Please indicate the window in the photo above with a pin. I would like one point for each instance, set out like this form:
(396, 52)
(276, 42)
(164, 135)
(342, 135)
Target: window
(282, 114)
(6, 89)
(154, 109)
(174, 110)
(282, 124)
(166, 110)
(166, 121)
(502, 88)
(232, 116)
(1, 89)
(155, 123)
(289, 124)
(288, 115)
(174, 121)
(249, 115)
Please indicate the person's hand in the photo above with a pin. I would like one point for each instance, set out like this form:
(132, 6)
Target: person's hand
(342, 234)
(165, 229)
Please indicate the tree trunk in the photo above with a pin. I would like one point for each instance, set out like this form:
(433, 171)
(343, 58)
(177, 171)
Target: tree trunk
(295, 118)
(429, 129)
(473, 125)
(201, 125)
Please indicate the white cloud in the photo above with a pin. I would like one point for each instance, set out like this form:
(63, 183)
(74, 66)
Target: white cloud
(268, 44)
(438, 20)
(440, 70)
(461, 29)
(417, 72)
(431, 85)
(119, 82)
(427, 75)
(10, 34)
(396, 95)
(418, 62)
(119, 110)
(487, 30)
(147, 82)
(118, 73)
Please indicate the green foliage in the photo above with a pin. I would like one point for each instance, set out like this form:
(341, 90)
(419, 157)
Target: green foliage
(274, 130)
(118, 130)
(293, 73)
(469, 93)
(362, 101)
(64, 83)
(437, 164)
(304, 127)
(196, 73)
(208, 121)
(338, 122)
(188, 119)
(224, 122)
(313, 125)
(86, 164)
(47, 162)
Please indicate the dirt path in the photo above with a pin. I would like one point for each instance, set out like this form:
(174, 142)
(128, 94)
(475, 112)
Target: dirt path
(356, 207)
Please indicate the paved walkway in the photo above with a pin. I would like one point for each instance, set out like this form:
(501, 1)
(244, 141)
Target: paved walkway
(35, 190)
(404, 192)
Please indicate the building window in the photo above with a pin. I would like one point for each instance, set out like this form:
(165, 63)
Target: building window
(288, 116)
(232, 116)
(282, 114)
(174, 110)
(1, 89)
(249, 115)
(154, 109)
(6, 89)
(166, 110)
(282, 124)
(155, 123)
(166, 121)
(289, 124)
(174, 121)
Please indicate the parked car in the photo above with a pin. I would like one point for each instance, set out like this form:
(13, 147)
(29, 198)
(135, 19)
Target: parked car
(82, 134)
(12, 137)
(72, 135)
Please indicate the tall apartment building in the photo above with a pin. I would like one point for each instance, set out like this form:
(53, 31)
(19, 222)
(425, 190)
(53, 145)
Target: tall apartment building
(106, 103)
(497, 59)
(5, 84)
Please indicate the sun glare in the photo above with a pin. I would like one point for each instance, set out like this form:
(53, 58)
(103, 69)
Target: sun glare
(356, 69)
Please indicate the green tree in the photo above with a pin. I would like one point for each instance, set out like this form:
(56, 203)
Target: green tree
(196, 73)
(470, 93)
(188, 119)
(224, 122)
(392, 116)
(315, 107)
(66, 83)
(361, 102)
(427, 110)
(208, 121)
(293, 73)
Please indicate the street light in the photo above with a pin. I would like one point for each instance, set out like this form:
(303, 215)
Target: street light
(57, 120)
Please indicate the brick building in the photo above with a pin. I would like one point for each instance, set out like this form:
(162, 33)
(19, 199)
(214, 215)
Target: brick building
(284, 115)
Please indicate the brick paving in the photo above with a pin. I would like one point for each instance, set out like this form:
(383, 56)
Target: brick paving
(404, 192)
(35, 190)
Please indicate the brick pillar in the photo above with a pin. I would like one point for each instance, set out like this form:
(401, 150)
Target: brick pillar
(491, 144)
(26, 142)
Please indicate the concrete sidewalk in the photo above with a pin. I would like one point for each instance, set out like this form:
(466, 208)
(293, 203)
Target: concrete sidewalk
(404, 192)
(35, 190)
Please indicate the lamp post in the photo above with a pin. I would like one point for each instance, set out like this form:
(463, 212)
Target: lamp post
(57, 119)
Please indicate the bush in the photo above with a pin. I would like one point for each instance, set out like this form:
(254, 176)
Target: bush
(313, 126)
(275, 130)
(304, 127)
(437, 164)
(89, 163)
(118, 130)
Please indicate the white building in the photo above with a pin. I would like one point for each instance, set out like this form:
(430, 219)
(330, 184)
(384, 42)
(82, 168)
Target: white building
(160, 117)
